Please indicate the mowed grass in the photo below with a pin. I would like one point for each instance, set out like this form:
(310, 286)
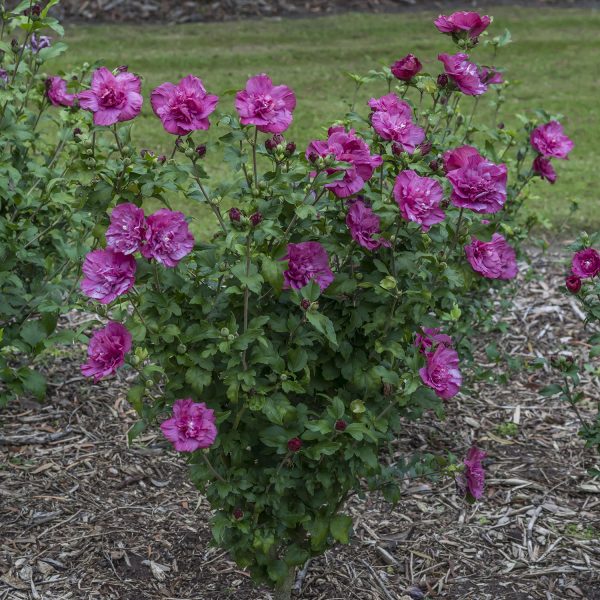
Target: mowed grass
(554, 57)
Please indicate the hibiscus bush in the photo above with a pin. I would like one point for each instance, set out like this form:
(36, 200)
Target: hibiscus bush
(583, 283)
(329, 296)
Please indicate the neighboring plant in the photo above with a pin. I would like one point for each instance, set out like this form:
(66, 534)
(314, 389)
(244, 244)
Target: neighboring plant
(45, 218)
(583, 283)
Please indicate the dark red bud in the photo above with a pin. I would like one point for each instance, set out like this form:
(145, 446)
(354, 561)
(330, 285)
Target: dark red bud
(235, 214)
(500, 125)
(434, 165)
(425, 148)
(256, 218)
(290, 148)
(162, 159)
(122, 69)
(294, 444)
(313, 157)
(238, 513)
(201, 150)
(340, 425)
(305, 304)
(442, 80)
(397, 149)
(270, 145)
(76, 132)
(443, 100)
(278, 139)
(573, 283)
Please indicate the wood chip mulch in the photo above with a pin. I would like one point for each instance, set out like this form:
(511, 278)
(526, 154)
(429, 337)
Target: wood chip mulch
(83, 516)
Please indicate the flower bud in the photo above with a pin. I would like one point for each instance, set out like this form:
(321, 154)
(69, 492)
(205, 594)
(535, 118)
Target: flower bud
(312, 157)
(256, 218)
(235, 214)
(149, 383)
(270, 145)
(500, 125)
(231, 337)
(290, 148)
(424, 147)
(201, 150)
(573, 283)
(162, 159)
(122, 69)
(340, 425)
(434, 165)
(305, 304)
(190, 153)
(442, 80)
(238, 513)
(76, 133)
(294, 444)
(145, 153)
(396, 149)
(443, 100)
(278, 139)
(181, 349)
(36, 10)
(224, 332)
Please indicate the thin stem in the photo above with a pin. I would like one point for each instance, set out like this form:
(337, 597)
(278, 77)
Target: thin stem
(468, 126)
(156, 278)
(175, 146)
(254, 156)
(211, 468)
(456, 233)
(246, 298)
(119, 145)
(212, 205)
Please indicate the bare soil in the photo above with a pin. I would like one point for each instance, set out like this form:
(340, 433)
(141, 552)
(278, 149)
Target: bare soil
(84, 516)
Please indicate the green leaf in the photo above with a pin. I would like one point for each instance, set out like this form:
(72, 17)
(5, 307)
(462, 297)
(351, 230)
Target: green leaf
(340, 528)
(136, 430)
(323, 325)
(198, 378)
(551, 390)
(33, 382)
(297, 359)
(33, 332)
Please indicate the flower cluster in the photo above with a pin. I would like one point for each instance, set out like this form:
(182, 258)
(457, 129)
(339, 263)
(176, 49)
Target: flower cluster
(585, 264)
(441, 372)
(549, 141)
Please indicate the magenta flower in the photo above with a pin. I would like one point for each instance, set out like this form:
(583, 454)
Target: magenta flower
(306, 261)
(472, 479)
(406, 68)
(396, 128)
(471, 23)
(191, 427)
(56, 90)
(39, 43)
(106, 351)
(543, 167)
(494, 259)
(573, 283)
(168, 238)
(184, 107)
(108, 275)
(419, 198)
(363, 224)
(346, 147)
(265, 105)
(550, 140)
(441, 372)
(464, 73)
(490, 76)
(460, 157)
(431, 337)
(112, 98)
(479, 185)
(586, 263)
(127, 229)
(390, 103)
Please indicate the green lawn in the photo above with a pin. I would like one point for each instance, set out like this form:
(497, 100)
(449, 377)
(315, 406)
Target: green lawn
(555, 58)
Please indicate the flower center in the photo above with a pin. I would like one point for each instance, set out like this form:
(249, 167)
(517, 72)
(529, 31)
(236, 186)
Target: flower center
(111, 97)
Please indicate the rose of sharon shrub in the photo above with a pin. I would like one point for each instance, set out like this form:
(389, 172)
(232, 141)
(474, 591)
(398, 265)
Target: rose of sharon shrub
(285, 343)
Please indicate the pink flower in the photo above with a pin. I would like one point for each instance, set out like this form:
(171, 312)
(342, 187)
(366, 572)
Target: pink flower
(108, 275)
(494, 259)
(346, 147)
(306, 261)
(431, 337)
(472, 480)
(441, 372)
(112, 98)
(265, 105)
(390, 103)
(586, 263)
(459, 158)
(479, 185)
(550, 141)
(127, 228)
(191, 427)
(168, 238)
(543, 167)
(56, 90)
(39, 43)
(184, 107)
(464, 73)
(106, 351)
(419, 198)
(472, 23)
(392, 120)
(363, 224)
(406, 68)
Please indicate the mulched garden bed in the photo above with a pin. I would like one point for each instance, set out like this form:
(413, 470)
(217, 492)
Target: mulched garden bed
(181, 11)
(84, 516)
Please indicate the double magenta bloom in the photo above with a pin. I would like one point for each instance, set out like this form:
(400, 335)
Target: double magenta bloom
(441, 371)
(191, 427)
(549, 141)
